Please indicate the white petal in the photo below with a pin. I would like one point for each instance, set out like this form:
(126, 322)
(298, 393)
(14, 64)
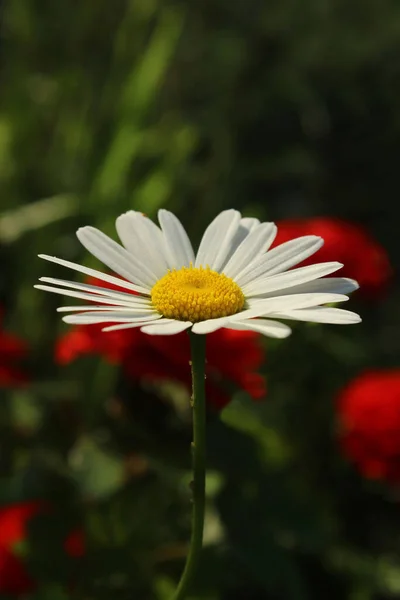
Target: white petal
(267, 327)
(110, 317)
(178, 246)
(210, 325)
(252, 248)
(116, 257)
(142, 237)
(226, 243)
(83, 296)
(333, 285)
(246, 226)
(321, 314)
(215, 232)
(281, 258)
(263, 307)
(112, 308)
(267, 307)
(127, 285)
(164, 328)
(125, 326)
(99, 291)
(267, 284)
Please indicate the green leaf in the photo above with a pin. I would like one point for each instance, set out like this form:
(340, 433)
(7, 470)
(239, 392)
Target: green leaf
(98, 473)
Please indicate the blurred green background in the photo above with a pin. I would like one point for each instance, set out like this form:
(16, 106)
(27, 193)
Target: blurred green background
(281, 110)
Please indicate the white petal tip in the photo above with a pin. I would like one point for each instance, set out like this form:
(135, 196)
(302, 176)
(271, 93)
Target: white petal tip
(70, 319)
(315, 238)
(282, 335)
(83, 231)
(354, 283)
(210, 325)
(44, 288)
(166, 327)
(163, 211)
(318, 240)
(125, 216)
(357, 319)
(349, 319)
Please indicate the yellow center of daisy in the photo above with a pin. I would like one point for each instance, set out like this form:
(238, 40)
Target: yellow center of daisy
(196, 294)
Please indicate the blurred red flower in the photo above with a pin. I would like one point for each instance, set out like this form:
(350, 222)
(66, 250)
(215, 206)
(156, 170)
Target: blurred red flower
(232, 357)
(363, 258)
(369, 416)
(12, 350)
(14, 577)
(74, 545)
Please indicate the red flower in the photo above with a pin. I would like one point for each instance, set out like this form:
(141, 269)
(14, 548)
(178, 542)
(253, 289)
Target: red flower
(74, 545)
(363, 258)
(12, 350)
(369, 414)
(232, 357)
(14, 577)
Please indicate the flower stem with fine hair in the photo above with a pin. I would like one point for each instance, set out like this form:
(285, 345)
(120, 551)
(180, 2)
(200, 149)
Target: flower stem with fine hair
(198, 354)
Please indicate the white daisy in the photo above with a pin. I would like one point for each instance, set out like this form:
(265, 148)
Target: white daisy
(233, 281)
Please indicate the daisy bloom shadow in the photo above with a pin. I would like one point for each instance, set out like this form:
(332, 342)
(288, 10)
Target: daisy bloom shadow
(234, 280)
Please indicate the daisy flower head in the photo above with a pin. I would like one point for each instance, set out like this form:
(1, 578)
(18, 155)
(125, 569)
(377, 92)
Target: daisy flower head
(234, 280)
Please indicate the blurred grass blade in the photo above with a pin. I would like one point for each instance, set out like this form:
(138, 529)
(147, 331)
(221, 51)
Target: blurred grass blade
(15, 223)
(138, 96)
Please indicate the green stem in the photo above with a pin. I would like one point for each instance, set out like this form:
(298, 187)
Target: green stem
(198, 352)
